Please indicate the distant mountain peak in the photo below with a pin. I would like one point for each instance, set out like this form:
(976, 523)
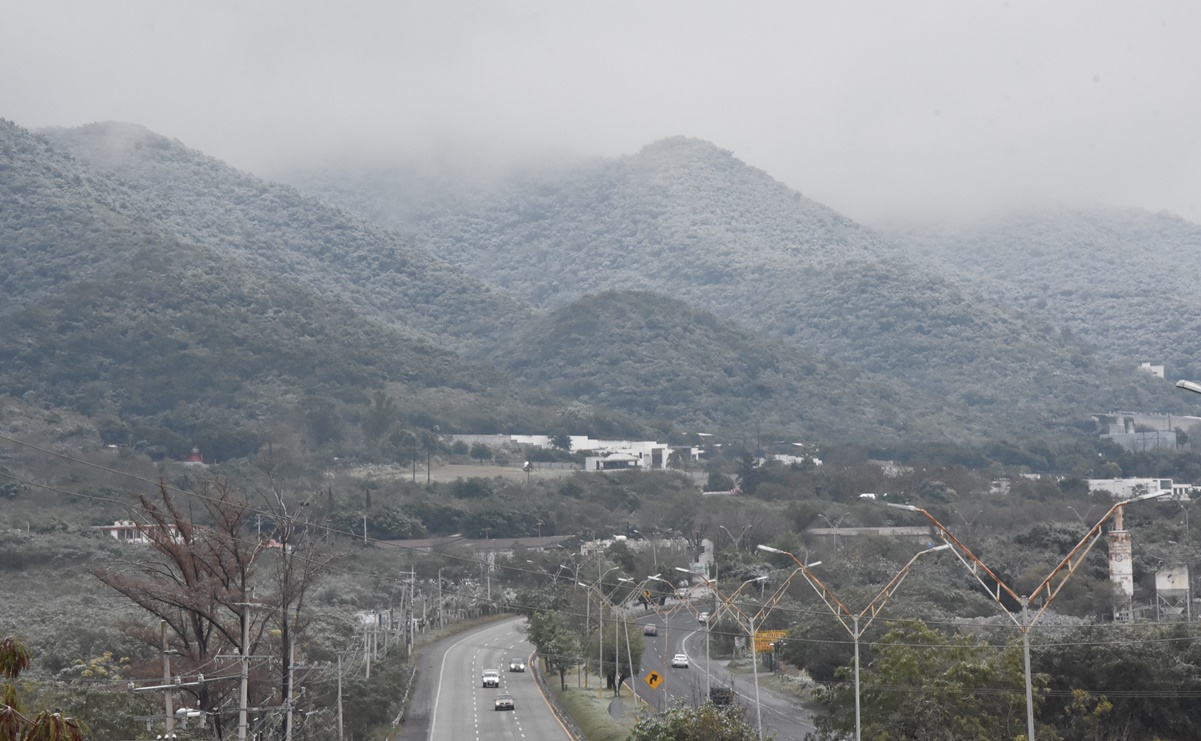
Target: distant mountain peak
(682, 143)
(682, 151)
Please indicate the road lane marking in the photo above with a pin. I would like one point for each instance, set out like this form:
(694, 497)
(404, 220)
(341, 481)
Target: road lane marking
(441, 671)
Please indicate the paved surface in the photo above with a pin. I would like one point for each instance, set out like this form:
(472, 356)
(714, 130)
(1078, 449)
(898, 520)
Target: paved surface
(450, 703)
(784, 717)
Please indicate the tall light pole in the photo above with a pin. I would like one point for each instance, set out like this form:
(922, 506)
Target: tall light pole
(1046, 589)
(834, 527)
(856, 627)
(706, 624)
(754, 651)
(737, 541)
(600, 626)
(618, 609)
(654, 548)
(728, 604)
(665, 616)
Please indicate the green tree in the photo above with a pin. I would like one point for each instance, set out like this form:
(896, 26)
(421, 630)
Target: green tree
(718, 481)
(622, 642)
(378, 418)
(705, 723)
(322, 421)
(748, 474)
(678, 460)
(481, 452)
(46, 725)
(557, 644)
(923, 684)
(561, 440)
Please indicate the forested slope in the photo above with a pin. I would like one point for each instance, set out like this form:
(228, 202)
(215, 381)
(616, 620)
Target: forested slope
(687, 220)
(173, 342)
(1124, 281)
(666, 360)
(274, 228)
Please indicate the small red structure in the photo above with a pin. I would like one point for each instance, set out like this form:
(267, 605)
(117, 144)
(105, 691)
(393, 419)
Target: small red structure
(194, 458)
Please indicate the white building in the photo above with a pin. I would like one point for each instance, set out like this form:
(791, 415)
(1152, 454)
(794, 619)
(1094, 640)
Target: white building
(1127, 488)
(1155, 370)
(128, 531)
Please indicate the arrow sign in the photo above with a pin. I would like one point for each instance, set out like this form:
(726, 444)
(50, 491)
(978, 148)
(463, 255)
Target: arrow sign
(654, 679)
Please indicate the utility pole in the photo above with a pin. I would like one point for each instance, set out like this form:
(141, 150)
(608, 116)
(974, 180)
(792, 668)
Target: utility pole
(413, 608)
(291, 694)
(244, 689)
(162, 631)
(340, 736)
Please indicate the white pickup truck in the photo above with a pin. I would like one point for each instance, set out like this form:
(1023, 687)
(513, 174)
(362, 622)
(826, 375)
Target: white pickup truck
(491, 678)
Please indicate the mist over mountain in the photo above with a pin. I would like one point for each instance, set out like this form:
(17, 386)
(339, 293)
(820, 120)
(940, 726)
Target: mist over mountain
(687, 220)
(176, 343)
(151, 286)
(199, 200)
(1124, 281)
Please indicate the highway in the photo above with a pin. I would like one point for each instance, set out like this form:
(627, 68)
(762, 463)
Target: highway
(784, 717)
(462, 709)
(454, 706)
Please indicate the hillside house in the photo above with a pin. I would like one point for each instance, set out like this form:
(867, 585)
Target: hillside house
(1127, 488)
(128, 531)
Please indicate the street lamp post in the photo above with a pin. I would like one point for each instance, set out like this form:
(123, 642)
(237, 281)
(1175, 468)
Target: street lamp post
(707, 583)
(1082, 517)
(654, 548)
(1047, 589)
(600, 626)
(834, 527)
(857, 627)
(729, 604)
(665, 618)
(618, 625)
(754, 654)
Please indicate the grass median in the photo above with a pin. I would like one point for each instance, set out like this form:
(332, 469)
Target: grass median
(590, 711)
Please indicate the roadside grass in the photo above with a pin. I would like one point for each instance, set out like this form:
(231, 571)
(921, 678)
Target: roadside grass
(792, 682)
(590, 712)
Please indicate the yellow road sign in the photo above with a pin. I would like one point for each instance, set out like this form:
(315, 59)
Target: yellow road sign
(654, 679)
(764, 639)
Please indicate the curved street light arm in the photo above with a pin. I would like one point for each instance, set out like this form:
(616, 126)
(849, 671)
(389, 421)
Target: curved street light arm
(840, 610)
(728, 603)
(965, 554)
(774, 599)
(1079, 553)
(716, 592)
(877, 604)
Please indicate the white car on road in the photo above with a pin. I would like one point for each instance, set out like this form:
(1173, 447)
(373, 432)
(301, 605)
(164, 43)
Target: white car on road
(679, 661)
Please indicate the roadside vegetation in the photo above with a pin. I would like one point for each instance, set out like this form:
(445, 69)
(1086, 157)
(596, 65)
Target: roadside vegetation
(294, 529)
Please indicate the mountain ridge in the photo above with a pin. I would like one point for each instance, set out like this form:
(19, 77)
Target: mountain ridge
(749, 249)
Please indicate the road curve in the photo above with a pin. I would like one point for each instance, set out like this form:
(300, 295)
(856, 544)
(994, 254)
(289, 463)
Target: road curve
(784, 718)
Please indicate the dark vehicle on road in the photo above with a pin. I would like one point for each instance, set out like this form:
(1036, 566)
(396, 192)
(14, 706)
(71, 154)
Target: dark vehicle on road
(721, 696)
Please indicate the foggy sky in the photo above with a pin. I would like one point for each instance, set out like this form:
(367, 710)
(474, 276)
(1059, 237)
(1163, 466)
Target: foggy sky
(913, 109)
